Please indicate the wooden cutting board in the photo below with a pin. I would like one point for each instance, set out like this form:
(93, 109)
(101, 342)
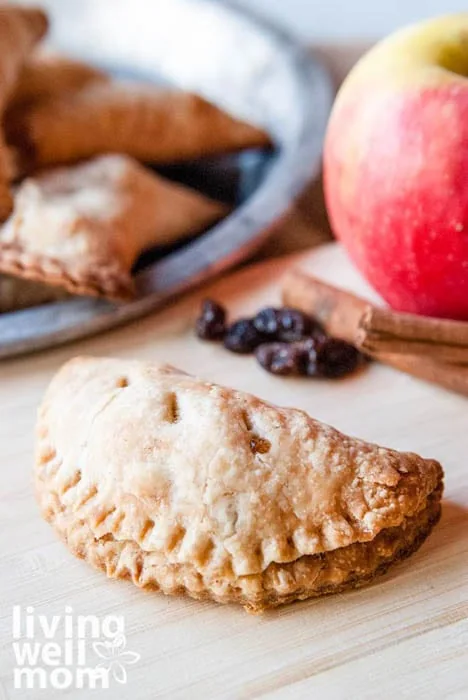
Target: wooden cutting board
(405, 636)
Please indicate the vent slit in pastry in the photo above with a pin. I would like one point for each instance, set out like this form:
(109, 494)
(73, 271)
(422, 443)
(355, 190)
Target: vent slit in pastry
(246, 420)
(172, 406)
(320, 513)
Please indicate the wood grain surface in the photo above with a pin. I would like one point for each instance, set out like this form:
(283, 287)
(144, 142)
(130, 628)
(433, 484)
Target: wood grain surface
(404, 637)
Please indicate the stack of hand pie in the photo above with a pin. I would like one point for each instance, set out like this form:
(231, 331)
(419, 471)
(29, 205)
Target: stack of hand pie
(87, 208)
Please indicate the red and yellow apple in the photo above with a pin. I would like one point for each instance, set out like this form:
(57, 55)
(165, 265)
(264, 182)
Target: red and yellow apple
(396, 167)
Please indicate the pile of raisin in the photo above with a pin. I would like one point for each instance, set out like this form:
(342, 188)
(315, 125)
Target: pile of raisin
(285, 341)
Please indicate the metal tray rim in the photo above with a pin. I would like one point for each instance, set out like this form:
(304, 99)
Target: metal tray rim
(231, 241)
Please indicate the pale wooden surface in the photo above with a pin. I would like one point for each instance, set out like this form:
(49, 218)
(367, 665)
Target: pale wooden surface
(405, 636)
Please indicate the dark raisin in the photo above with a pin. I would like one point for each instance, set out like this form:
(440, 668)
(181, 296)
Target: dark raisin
(266, 321)
(336, 358)
(242, 336)
(281, 358)
(211, 324)
(212, 311)
(293, 325)
(309, 348)
(318, 333)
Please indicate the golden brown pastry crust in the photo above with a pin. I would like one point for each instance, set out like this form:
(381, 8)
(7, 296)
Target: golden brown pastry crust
(151, 124)
(153, 475)
(86, 277)
(83, 227)
(47, 75)
(20, 29)
(19, 293)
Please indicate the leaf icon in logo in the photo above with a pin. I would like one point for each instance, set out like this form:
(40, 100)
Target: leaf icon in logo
(115, 657)
(119, 672)
(103, 649)
(129, 657)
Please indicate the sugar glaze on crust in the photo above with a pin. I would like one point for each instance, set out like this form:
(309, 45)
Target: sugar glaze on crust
(153, 475)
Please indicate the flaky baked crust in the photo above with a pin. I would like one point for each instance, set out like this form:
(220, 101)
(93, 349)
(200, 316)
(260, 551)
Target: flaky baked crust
(83, 227)
(20, 29)
(19, 293)
(45, 76)
(48, 75)
(188, 487)
(149, 123)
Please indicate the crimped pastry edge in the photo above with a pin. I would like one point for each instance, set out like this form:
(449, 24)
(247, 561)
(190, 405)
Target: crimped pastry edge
(108, 280)
(309, 576)
(126, 515)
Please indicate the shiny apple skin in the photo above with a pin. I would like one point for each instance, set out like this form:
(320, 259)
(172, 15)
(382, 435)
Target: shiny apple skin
(396, 173)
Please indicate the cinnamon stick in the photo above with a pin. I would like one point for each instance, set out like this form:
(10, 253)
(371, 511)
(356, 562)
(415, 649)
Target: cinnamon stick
(385, 331)
(342, 314)
(449, 376)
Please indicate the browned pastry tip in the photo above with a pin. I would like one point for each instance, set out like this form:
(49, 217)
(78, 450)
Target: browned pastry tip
(37, 19)
(20, 29)
(32, 22)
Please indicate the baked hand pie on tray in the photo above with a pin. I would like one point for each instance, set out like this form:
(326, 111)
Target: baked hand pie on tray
(184, 486)
(20, 29)
(82, 228)
(153, 124)
(47, 75)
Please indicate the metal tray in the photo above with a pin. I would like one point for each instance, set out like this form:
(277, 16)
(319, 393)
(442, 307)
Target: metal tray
(237, 61)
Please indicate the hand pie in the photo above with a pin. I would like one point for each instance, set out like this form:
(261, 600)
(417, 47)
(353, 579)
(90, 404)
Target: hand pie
(17, 293)
(151, 124)
(46, 76)
(83, 227)
(20, 29)
(188, 487)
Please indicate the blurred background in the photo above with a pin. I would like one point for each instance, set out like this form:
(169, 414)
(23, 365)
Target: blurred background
(344, 20)
(339, 32)
(334, 20)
